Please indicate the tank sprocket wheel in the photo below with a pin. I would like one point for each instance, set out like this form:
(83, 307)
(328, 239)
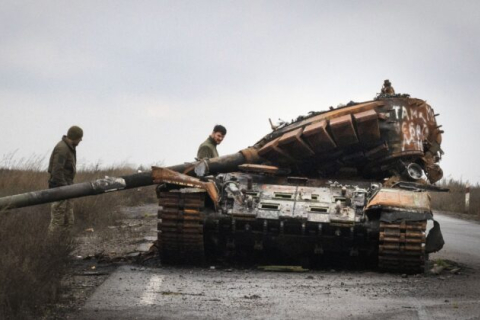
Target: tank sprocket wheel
(402, 246)
(180, 233)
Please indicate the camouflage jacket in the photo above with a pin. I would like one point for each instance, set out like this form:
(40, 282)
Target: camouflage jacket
(63, 163)
(207, 149)
(388, 90)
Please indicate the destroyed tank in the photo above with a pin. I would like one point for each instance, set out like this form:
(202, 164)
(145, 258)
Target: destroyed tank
(351, 181)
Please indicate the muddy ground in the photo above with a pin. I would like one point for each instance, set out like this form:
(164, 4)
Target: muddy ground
(109, 281)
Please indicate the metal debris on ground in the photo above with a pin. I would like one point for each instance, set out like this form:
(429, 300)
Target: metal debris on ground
(92, 273)
(455, 271)
(437, 269)
(133, 254)
(283, 268)
(144, 247)
(173, 293)
(150, 238)
(445, 265)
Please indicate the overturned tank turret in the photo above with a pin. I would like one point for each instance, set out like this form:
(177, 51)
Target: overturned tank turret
(350, 181)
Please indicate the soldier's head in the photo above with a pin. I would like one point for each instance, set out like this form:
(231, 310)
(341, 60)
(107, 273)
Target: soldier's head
(75, 135)
(387, 83)
(219, 133)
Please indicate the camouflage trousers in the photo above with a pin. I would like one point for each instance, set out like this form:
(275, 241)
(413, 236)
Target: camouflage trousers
(61, 216)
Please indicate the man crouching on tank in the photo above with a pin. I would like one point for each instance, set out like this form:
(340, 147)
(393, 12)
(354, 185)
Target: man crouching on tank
(62, 169)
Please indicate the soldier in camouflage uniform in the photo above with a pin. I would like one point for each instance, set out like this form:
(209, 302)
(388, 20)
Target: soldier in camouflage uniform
(208, 149)
(387, 87)
(62, 169)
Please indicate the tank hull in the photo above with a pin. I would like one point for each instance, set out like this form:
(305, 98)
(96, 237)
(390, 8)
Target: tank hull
(296, 221)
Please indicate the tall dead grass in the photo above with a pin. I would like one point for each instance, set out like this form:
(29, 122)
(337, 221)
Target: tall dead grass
(32, 265)
(454, 200)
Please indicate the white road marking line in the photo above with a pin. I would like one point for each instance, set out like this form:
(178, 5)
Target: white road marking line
(422, 312)
(151, 290)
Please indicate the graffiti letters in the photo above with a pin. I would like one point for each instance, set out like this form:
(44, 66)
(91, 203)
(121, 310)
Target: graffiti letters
(414, 123)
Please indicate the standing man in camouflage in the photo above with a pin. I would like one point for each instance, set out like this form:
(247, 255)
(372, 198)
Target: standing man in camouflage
(62, 169)
(208, 149)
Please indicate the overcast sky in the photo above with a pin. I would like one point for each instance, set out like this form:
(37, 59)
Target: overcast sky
(148, 80)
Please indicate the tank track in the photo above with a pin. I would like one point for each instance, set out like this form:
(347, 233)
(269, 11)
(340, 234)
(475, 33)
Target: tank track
(180, 235)
(402, 246)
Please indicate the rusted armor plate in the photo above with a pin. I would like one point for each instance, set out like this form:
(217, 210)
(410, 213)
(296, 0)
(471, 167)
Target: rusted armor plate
(367, 126)
(318, 137)
(293, 144)
(343, 131)
(380, 132)
(272, 151)
(395, 198)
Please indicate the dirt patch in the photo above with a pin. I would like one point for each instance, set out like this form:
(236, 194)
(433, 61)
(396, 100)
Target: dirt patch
(100, 252)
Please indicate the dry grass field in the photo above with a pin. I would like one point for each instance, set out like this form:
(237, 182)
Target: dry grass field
(454, 201)
(32, 265)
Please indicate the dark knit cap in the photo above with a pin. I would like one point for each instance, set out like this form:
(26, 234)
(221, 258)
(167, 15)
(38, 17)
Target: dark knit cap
(74, 133)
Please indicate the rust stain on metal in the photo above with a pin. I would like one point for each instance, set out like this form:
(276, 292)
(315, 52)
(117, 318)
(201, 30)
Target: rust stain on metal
(367, 126)
(343, 130)
(294, 145)
(271, 150)
(251, 155)
(318, 137)
(259, 168)
(396, 198)
(340, 112)
(380, 132)
(164, 175)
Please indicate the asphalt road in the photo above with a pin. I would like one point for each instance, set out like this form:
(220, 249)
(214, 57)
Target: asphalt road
(462, 240)
(133, 292)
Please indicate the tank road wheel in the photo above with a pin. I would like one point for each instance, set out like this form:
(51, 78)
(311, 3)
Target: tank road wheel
(181, 228)
(402, 246)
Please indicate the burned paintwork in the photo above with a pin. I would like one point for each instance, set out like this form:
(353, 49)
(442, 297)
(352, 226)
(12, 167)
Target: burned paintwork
(279, 202)
(370, 137)
(351, 181)
(400, 199)
(164, 175)
(299, 218)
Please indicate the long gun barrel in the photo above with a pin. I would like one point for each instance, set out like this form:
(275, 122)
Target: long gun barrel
(77, 190)
(110, 184)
